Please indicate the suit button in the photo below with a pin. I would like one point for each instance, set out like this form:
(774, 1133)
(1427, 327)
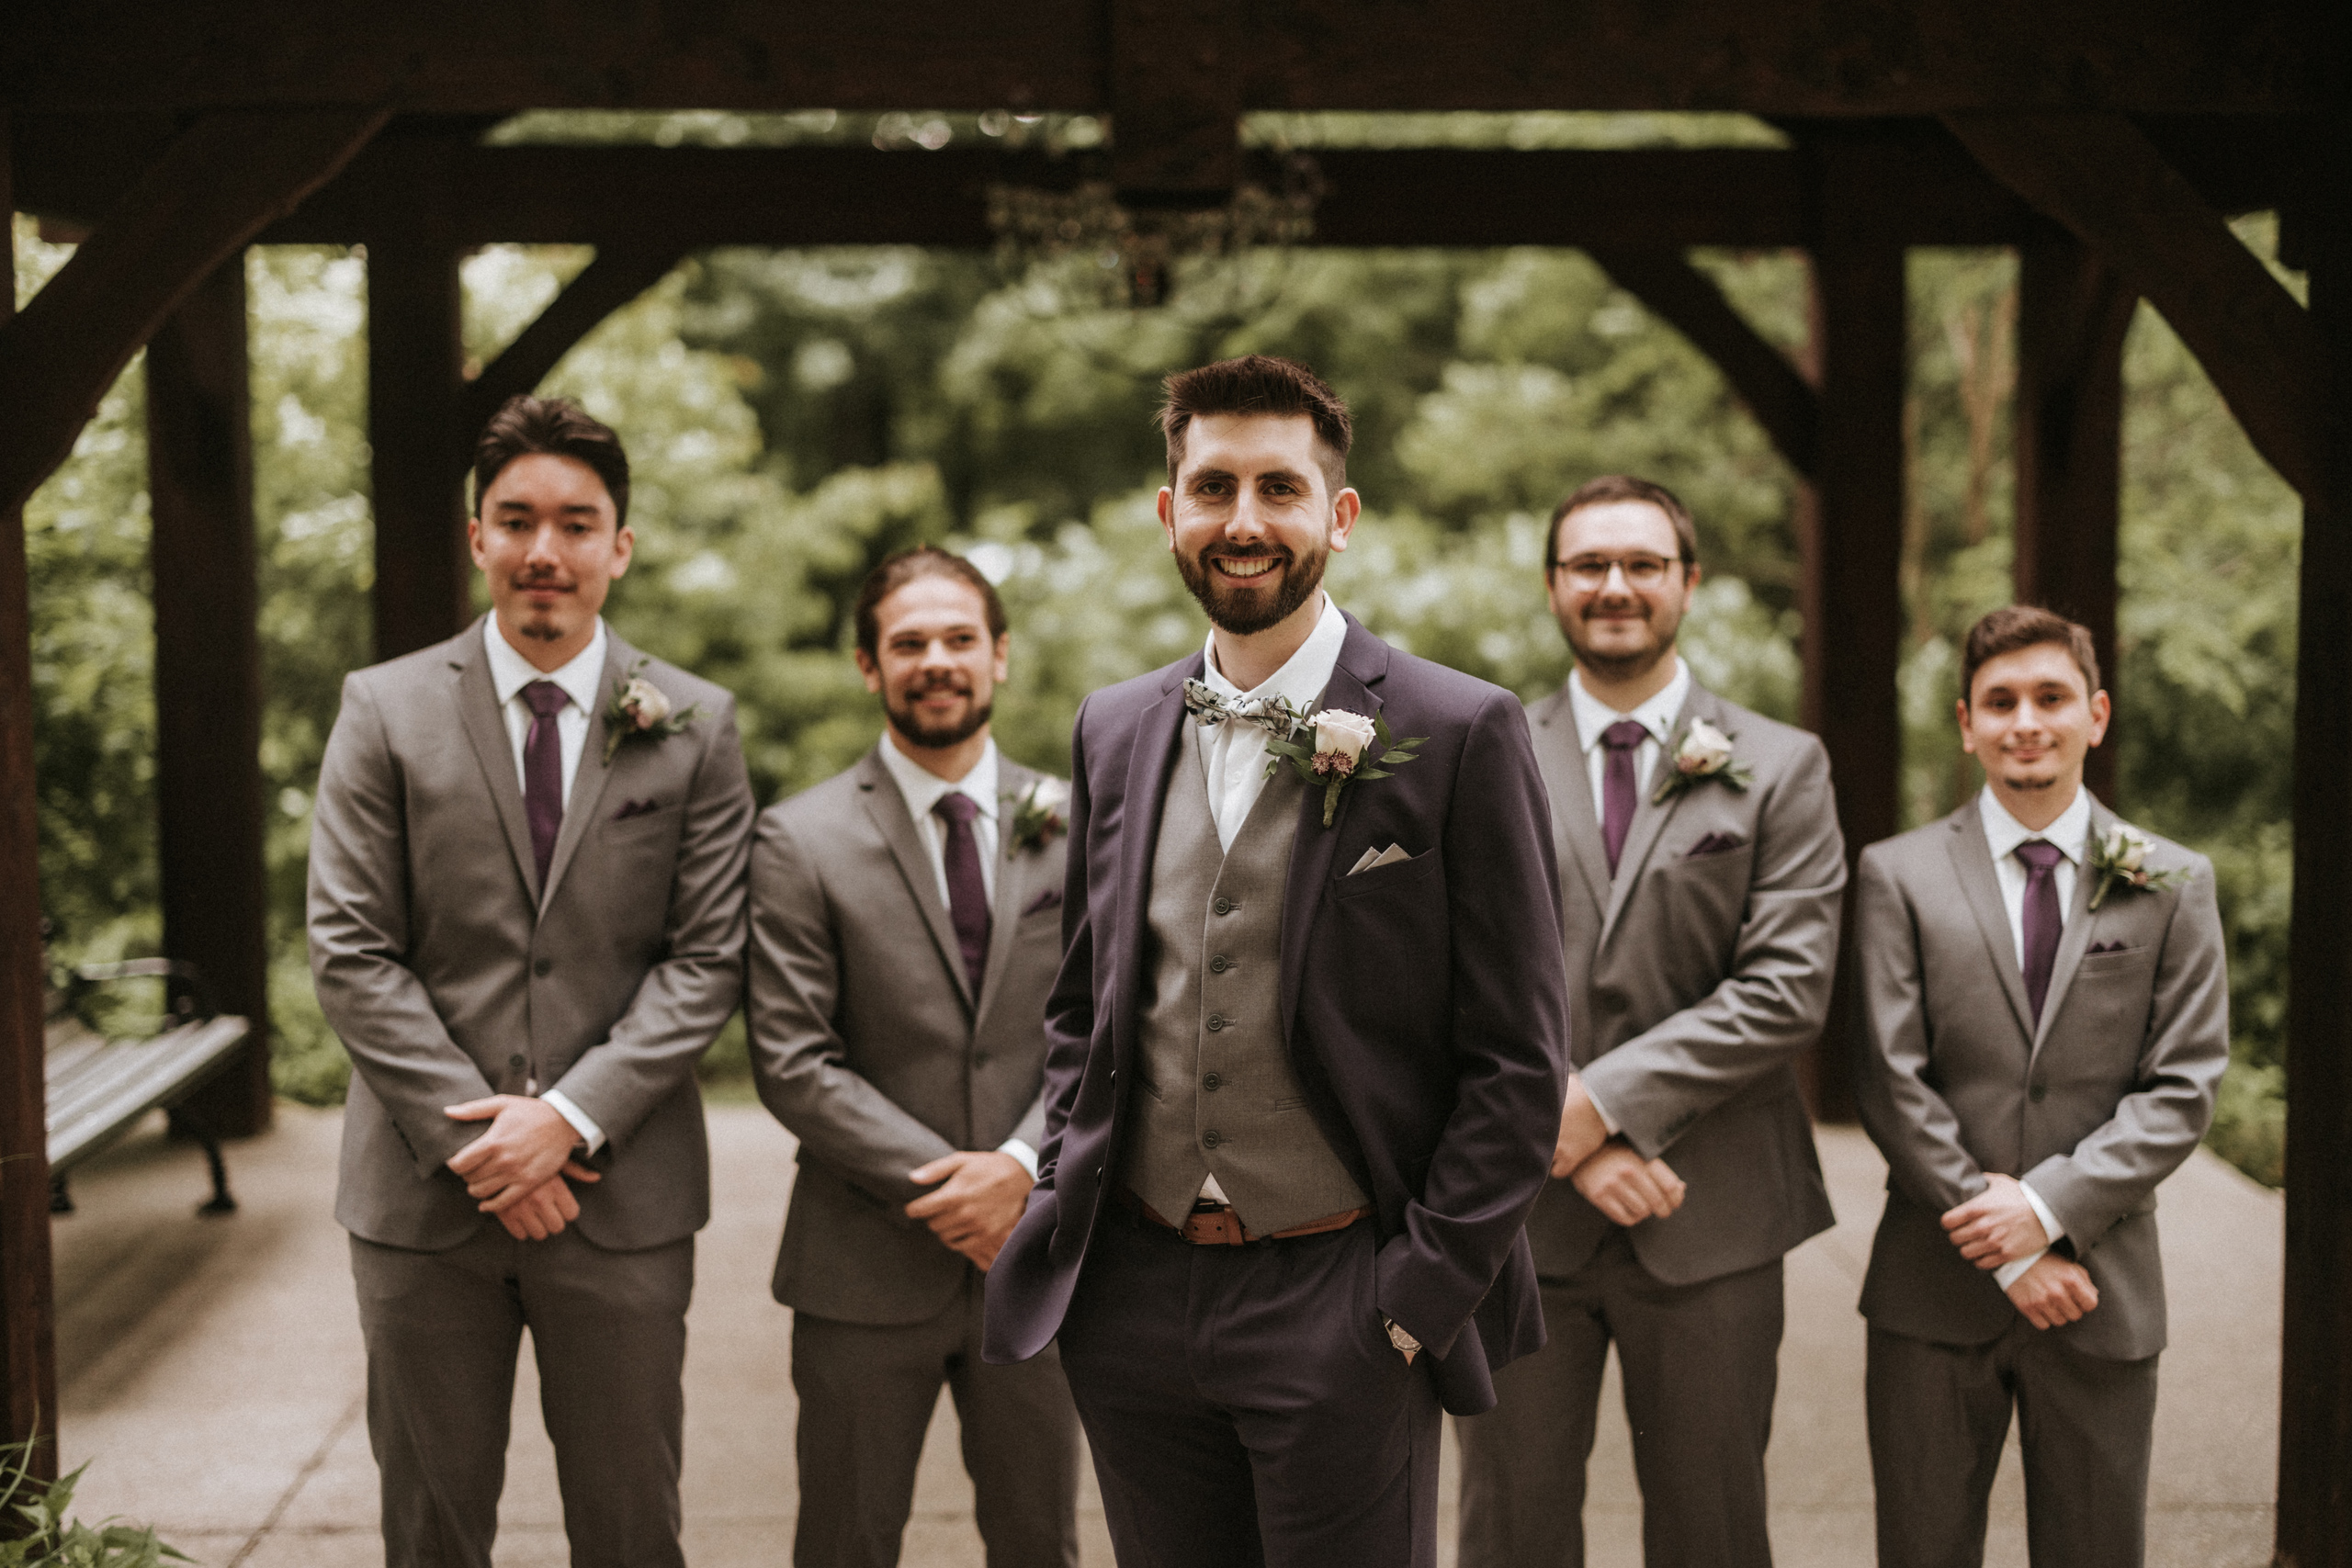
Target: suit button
(1220, 963)
(541, 967)
(1217, 1021)
(1212, 1138)
(979, 1058)
(1222, 905)
(515, 1062)
(2037, 1093)
(1214, 1081)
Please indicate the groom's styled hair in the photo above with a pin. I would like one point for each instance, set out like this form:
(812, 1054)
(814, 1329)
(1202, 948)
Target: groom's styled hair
(1259, 383)
(560, 428)
(897, 572)
(2014, 626)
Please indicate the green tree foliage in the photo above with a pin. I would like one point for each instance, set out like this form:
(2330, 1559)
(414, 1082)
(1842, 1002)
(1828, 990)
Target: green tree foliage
(793, 417)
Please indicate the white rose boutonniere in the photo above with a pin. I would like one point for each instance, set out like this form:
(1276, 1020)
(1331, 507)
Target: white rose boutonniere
(2121, 855)
(640, 708)
(1700, 752)
(1041, 816)
(1335, 754)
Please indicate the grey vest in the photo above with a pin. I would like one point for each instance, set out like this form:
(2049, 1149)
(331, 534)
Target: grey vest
(1219, 1095)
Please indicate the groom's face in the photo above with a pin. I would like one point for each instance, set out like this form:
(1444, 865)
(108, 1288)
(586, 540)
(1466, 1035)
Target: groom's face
(934, 664)
(1251, 519)
(546, 537)
(2030, 718)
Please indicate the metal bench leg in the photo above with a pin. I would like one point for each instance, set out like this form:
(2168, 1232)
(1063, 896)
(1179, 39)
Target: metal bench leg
(61, 1198)
(221, 1201)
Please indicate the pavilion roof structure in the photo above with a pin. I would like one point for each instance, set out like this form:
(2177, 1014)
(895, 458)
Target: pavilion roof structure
(2107, 140)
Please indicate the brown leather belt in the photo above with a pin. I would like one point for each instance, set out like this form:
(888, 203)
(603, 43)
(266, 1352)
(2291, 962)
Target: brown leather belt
(1221, 1226)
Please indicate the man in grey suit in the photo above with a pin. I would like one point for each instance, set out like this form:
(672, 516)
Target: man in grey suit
(2045, 991)
(906, 925)
(1700, 870)
(526, 924)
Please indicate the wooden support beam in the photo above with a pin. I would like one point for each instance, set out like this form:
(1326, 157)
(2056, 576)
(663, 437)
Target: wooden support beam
(28, 1345)
(2315, 1373)
(607, 283)
(1776, 393)
(2073, 313)
(223, 181)
(209, 801)
(1176, 72)
(2100, 176)
(415, 358)
(1851, 589)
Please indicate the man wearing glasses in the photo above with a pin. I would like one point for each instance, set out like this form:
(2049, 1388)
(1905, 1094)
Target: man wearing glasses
(1700, 869)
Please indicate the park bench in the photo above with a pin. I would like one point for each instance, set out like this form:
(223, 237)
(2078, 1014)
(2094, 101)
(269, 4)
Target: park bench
(99, 1085)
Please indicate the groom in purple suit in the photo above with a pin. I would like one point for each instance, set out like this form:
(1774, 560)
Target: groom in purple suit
(1308, 1046)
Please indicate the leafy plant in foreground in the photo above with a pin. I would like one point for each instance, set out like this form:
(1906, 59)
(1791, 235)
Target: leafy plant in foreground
(52, 1540)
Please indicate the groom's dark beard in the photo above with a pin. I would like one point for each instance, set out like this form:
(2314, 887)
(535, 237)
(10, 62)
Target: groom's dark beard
(909, 723)
(1237, 610)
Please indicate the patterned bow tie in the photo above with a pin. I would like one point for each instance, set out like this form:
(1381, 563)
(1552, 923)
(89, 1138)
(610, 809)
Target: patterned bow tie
(1272, 714)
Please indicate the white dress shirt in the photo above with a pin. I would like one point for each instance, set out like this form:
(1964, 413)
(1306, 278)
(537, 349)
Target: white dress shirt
(923, 789)
(1594, 717)
(579, 677)
(1233, 756)
(2070, 835)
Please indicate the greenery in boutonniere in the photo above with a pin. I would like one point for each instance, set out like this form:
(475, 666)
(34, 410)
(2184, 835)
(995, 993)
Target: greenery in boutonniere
(1335, 757)
(40, 1535)
(1700, 752)
(639, 708)
(2120, 854)
(1040, 816)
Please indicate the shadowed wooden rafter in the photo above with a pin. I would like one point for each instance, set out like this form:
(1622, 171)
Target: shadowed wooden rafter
(607, 283)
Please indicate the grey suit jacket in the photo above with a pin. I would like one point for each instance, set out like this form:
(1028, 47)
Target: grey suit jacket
(868, 1040)
(2093, 1109)
(450, 974)
(1695, 978)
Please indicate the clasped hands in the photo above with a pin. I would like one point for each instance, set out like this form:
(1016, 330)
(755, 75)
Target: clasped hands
(1998, 1227)
(981, 1197)
(521, 1170)
(1609, 1172)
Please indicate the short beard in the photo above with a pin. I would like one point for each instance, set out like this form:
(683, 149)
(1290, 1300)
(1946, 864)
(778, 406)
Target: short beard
(907, 723)
(1616, 667)
(1230, 613)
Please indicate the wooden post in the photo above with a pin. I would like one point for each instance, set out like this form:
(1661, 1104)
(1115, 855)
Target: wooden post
(1851, 592)
(414, 380)
(207, 679)
(27, 1346)
(2073, 312)
(2316, 1374)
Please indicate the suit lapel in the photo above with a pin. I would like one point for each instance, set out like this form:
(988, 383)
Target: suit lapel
(1016, 875)
(486, 730)
(1362, 664)
(1649, 817)
(588, 781)
(1971, 860)
(887, 807)
(1159, 737)
(1576, 832)
(2076, 934)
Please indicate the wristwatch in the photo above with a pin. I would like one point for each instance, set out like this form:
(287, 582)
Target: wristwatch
(1397, 1337)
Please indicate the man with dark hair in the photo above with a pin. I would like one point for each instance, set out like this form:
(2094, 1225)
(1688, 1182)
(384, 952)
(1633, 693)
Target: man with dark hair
(905, 929)
(1700, 870)
(526, 925)
(1307, 1044)
(2045, 994)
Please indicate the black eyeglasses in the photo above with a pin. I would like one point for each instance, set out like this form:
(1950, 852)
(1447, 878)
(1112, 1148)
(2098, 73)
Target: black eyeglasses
(1642, 570)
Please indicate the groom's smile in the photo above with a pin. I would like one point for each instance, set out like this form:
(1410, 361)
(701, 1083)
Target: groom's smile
(1251, 517)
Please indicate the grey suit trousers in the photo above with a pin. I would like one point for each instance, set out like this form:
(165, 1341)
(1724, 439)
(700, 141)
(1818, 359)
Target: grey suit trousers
(1939, 1414)
(867, 1393)
(1701, 1366)
(609, 1331)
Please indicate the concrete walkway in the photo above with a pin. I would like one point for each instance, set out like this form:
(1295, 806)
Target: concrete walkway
(211, 1371)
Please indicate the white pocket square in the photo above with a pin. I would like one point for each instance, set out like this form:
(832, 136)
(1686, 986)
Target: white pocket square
(1371, 859)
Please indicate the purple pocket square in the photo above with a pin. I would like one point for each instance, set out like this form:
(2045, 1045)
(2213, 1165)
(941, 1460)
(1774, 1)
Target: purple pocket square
(1714, 844)
(2102, 947)
(636, 808)
(1051, 898)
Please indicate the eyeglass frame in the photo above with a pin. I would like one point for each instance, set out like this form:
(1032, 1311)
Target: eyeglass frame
(1622, 564)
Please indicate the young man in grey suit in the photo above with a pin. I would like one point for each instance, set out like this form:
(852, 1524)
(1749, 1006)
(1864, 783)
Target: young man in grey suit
(526, 924)
(906, 925)
(2046, 995)
(1308, 1045)
(1701, 871)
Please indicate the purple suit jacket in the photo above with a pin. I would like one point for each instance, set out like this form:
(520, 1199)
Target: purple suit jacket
(1424, 1003)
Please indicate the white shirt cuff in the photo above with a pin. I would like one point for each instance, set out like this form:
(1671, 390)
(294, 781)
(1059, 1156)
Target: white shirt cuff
(1607, 1122)
(1021, 1152)
(2009, 1273)
(581, 1123)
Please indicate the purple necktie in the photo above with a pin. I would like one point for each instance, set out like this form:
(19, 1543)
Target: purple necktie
(543, 771)
(2040, 920)
(1617, 785)
(968, 892)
